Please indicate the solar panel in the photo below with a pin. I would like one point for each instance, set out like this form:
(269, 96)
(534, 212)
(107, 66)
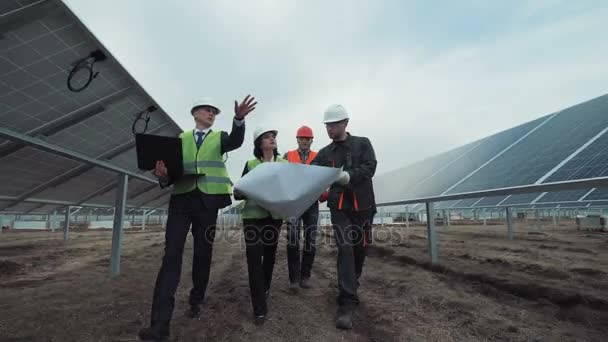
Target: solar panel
(542, 150)
(570, 144)
(445, 204)
(589, 163)
(42, 41)
(597, 194)
(599, 204)
(435, 175)
(399, 184)
(490, 201)
(564, 196)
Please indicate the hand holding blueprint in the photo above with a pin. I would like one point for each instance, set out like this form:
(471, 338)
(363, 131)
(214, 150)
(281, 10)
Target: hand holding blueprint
(286, 189)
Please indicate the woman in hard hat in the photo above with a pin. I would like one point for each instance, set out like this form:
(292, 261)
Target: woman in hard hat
(261, 229)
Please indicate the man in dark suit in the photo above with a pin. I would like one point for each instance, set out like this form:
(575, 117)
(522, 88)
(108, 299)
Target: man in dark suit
(204, 188)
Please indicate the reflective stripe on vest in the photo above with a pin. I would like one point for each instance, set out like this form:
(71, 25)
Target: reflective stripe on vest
(206, 163)
(293, 156)
(252, 210)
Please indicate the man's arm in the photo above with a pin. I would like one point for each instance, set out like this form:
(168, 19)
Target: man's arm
(319, 160)
(234, 140)
(367, 167)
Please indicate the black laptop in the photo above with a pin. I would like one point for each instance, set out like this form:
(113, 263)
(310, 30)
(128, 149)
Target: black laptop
(151, 148)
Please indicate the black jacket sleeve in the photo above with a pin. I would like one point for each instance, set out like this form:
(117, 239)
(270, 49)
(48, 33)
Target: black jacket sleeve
(320, 159)
(239, 196)
(234, 140)
(367, 167)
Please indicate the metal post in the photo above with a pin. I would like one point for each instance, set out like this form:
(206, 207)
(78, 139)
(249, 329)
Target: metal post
(554, 217)
(144, 218)
(484, 218)
(448, 218)
(119, 213)
(509, 223)
(66, 226)
(432, 235)
(53, 221)
(407, 217)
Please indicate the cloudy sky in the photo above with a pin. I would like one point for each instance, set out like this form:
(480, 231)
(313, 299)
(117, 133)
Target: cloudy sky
(418, 77)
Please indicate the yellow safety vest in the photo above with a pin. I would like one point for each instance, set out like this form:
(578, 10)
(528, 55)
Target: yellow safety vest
(204, 167)
(252, 210)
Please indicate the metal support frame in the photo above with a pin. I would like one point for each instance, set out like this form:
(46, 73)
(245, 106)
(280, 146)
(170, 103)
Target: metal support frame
(585, 183)
(145, 218)
(509, 215)
(431, 232)
(66, 226)
(76, 171)
(485, 219)
(64, 152)
(119, 213)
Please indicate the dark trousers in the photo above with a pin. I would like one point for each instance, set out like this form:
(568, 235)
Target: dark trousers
(309, 220)
(184, 210)
(349, 227)
(261, 239)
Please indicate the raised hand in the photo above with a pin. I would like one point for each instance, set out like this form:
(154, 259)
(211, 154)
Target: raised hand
(245, 107)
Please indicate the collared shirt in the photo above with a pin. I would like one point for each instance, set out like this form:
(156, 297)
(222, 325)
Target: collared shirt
(238, 123)
(303, 155)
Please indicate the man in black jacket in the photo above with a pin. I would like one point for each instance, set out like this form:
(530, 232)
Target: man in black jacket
(196, 198)
(351, 202)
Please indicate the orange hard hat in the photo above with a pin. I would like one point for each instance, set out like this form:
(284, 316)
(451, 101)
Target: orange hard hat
(304, 132)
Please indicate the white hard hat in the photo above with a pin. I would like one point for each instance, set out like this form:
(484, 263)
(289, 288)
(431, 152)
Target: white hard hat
(205, 101)
(260, 130)
(335, 113)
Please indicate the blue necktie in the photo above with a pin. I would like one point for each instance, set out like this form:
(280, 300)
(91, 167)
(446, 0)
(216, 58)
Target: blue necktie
(199, 139)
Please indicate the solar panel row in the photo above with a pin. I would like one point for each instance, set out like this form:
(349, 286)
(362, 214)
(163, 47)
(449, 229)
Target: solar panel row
(570, 144)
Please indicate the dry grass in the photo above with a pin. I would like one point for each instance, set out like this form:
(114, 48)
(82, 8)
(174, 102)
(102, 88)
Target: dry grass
(546, 286)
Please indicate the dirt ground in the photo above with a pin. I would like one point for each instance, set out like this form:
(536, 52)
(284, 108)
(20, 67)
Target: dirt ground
(549, 284)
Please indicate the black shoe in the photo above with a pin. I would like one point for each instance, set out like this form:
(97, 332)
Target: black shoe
(305, 283)
(259, 320)
(153, 334)
(194, 311)
(293, 287)
(344, 319)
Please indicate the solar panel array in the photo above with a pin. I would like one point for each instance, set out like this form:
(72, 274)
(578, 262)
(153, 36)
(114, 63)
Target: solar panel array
(567, 145)
(41, 42)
